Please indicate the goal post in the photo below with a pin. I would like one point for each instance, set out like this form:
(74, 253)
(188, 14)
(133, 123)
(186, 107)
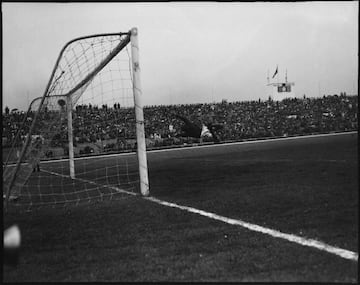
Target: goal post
(91, 105)
(70, 137)
(139, 115)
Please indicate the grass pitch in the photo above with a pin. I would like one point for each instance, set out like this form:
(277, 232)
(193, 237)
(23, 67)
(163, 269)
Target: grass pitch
(307, 187)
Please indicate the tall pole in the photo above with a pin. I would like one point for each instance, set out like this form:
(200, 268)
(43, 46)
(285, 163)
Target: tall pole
(70, 137)
(139, 115)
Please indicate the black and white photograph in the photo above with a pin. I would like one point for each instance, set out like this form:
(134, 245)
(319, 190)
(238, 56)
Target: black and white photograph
(180, 141)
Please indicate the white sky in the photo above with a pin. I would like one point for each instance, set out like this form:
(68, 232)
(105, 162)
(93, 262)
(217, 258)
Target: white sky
(192, 52)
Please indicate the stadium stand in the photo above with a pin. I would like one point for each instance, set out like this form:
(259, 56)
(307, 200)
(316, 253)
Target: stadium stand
(241, 121)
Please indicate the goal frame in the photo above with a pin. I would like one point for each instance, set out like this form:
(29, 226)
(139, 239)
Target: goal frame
(131, 37)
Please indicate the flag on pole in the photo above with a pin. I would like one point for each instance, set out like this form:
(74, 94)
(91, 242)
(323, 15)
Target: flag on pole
(276, 71)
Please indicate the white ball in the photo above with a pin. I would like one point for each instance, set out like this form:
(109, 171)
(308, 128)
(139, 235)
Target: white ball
(12, 237)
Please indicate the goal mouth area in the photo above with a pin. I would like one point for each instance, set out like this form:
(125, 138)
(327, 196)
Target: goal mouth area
(57, 190)
(90, 106)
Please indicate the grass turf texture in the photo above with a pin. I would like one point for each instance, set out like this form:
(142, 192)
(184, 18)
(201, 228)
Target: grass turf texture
(307, 187)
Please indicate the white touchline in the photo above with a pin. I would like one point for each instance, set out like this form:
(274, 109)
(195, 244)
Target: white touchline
(347, 254)
(201, 146)
(254, 141)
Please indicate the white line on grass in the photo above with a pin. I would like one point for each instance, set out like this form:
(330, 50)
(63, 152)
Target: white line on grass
(202, 146)
(91, 182)
(347, 254)
(254, 141)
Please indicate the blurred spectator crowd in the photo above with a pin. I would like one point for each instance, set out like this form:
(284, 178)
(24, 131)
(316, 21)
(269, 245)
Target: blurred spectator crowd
(240, 120)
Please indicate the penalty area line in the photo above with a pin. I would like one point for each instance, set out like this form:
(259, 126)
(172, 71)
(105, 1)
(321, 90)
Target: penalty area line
(346, 254)
(91, 182)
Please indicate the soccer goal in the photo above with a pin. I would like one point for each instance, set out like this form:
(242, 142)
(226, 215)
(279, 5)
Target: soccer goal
(84, 139)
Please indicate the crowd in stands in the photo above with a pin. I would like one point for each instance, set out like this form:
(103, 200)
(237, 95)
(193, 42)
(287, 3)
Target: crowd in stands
(240, 120)
(256, 119)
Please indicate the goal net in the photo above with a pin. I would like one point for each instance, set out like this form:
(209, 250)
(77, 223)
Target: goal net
(83, 140)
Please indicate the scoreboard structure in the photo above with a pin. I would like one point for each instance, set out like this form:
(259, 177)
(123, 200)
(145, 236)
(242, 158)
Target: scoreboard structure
(281, 90)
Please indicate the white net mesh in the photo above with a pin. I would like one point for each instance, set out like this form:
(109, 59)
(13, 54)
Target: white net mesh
(93, 79)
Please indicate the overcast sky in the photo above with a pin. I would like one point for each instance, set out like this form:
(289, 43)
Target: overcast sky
(192, 52)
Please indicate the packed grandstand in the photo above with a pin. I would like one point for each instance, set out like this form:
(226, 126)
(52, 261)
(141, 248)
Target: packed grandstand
(96, 129)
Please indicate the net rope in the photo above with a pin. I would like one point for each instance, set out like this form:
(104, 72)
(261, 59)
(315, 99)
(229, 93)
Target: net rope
(93, 77)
